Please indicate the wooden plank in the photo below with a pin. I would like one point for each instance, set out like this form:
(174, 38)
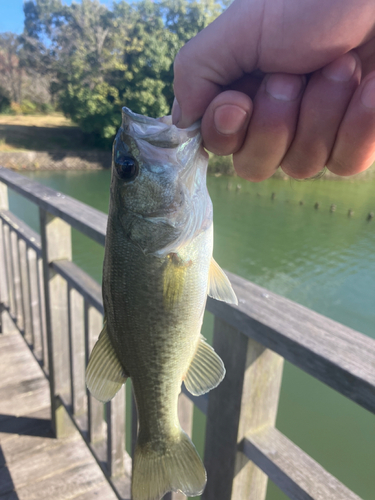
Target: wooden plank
(17, 289)
(260, 399)
(291, 469)
(89, 221)
(56, 244)
(116, 434)
(102, 492)
(36, 464)
(201, 402)
(25, 287)
(4, 295)
(5, 324)
(9, 270)
(65, 485)
(33, 396)
(42, 314)
(24, 431)
(4, 203)
(333, 353)
(32, 271)
(81, 281)
(223, 419)
(22, 230)
(31, 460)
(77, 352)
(93, 327)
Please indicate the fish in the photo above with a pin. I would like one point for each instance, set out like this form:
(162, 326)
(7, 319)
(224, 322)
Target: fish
(158, 269)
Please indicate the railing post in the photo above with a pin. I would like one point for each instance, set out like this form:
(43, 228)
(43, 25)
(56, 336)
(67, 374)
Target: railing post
(93, 325)
(185, 416)
(5, 323)
(56, 245)
(246, 400)
(116, 434)
(25, 289)
(36, 320)
(77, 353)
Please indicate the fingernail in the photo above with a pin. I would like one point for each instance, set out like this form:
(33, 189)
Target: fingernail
(368, 94)
(342, 69)
(176, 112)
(284, 87)
(229, 119)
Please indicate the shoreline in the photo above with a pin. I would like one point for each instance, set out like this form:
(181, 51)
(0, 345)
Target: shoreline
(61, 159)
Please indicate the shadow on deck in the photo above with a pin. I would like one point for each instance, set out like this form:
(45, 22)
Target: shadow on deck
(33, 464)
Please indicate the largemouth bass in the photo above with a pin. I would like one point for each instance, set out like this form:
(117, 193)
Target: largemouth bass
(158, 269)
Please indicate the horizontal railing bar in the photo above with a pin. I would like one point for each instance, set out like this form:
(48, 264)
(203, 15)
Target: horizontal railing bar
(291, 469)
(88, 220)
(81, 281)
(22, 230)
(337, 355)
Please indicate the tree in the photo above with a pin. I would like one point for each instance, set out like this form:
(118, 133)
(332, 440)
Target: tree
(10, 69)
(100, 59)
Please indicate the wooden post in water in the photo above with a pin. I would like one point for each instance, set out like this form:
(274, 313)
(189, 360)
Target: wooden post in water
(246, 400)
(56, 245)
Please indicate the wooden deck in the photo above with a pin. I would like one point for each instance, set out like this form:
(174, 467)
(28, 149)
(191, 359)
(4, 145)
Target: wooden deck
(33, 464)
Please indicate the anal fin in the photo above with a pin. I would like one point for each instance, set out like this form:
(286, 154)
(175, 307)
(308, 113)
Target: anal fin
(219, 286)
(104, 373)
(206, 370)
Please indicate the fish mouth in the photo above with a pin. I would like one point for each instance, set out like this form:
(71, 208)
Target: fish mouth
(158, 132)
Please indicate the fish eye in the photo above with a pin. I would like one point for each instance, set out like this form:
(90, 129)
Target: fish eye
(126, 167)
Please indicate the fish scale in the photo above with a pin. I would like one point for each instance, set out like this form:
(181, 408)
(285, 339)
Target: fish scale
(158, 269)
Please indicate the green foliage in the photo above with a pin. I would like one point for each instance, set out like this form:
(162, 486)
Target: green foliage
(101, 58)
(28, 107)
(4, 100)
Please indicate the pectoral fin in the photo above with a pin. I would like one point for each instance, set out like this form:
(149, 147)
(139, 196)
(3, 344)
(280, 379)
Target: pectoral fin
(206, 370)
(104, 373)
(174, 279)
(219, 286)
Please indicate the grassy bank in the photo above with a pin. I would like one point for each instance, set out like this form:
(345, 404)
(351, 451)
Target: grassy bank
(58, 136)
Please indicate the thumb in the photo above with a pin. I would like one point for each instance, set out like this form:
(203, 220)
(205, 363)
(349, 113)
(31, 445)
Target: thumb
(208, 62)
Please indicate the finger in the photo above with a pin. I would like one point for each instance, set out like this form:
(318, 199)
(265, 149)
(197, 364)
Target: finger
(210, 61)
(354, 149)
(323, 106)
(224, 124)
(271, 128)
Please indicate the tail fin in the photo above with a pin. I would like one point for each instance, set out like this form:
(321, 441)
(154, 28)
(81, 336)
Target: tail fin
(177, 468)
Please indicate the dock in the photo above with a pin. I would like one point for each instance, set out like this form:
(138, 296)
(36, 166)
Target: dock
(34, 465)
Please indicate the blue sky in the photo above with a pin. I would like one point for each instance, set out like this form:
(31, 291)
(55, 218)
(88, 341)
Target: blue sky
(11, 14)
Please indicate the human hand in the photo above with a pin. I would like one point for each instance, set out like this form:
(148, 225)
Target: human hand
(283, 83)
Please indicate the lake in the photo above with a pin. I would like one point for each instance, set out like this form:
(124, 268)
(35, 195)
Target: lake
(272, 234)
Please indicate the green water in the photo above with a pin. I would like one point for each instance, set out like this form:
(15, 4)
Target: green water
(321, 259)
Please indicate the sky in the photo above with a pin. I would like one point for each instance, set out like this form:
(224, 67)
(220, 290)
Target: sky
(11, 14)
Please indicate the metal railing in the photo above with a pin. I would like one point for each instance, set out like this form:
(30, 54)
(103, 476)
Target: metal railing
(58, 308)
